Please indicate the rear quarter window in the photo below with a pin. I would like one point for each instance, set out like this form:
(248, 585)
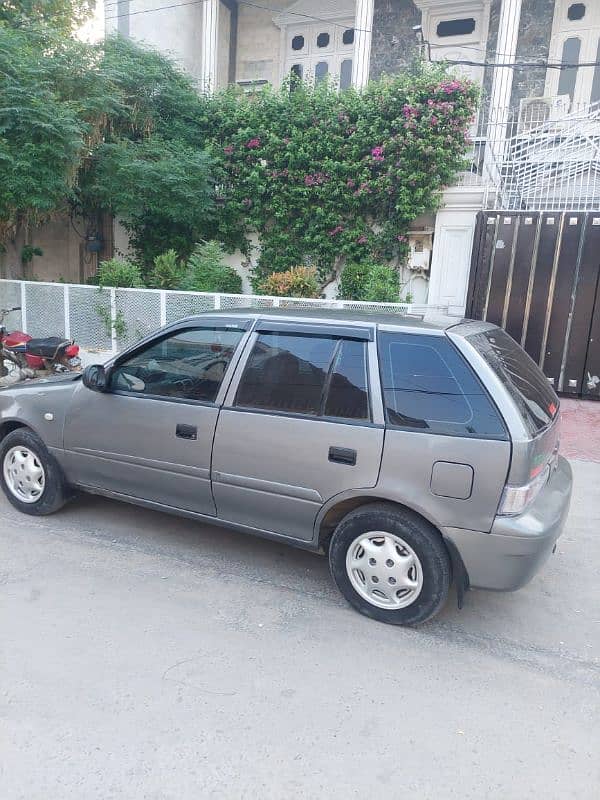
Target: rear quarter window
(523, 379)
(427, 386)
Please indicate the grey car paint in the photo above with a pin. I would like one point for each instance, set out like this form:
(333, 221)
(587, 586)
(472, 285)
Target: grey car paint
(268, 471)
(281, 477)
(112, 441)
(507, 557)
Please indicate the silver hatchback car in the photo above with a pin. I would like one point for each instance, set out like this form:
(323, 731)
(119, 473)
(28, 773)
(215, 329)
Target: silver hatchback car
(412, 452)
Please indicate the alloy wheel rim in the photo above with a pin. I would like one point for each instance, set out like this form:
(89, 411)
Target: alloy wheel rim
(384, 570)
(24, 474)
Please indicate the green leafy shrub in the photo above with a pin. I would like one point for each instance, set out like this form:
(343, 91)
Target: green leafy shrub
(206, 271)
(167, 272)
(370, 281)
(118, 272)
(353, 280)
(382, 285)
(294, 282)
(322, 175)
(28, 252)
(316, 174)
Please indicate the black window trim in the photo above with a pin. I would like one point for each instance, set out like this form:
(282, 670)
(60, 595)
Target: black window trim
(361, 423)
(315, 329)
(432, 432)
(242, 324)
(163, 398)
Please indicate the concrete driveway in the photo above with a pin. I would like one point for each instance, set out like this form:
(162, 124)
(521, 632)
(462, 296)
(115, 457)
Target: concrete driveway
(145, 656)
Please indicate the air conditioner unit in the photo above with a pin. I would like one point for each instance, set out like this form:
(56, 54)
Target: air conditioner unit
(537, 111)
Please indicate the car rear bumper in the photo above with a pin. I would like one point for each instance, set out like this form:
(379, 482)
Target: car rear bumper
(509, 555)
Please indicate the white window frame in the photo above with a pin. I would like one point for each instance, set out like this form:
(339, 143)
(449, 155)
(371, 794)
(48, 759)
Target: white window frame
(587, 30)
(334, 53)
(464, 47)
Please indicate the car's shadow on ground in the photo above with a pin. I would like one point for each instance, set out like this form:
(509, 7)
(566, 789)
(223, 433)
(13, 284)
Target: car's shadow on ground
(535, 613)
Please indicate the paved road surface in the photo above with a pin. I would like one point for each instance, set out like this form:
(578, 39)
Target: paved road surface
(149, 657)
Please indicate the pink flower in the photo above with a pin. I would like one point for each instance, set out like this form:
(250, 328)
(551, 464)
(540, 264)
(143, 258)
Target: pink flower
(336, 230)
(449, 87)
(228, 149)
(401, 238)
(350, 183)
(434, 120)
(361, 239)
(315, 180)
(252, 144)
(408, 112)
(377, 153)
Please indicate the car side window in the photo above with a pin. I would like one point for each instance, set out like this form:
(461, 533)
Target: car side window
(306, 374)
(348, 393)
(428, 386)
(188, 365)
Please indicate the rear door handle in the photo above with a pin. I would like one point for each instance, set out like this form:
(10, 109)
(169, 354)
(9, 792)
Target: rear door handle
(186, 432)
(342, 455)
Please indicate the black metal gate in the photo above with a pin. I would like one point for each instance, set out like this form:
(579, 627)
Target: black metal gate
(537, 275)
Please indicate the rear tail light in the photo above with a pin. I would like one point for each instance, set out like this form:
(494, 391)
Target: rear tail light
(515, 499)
(72, 350)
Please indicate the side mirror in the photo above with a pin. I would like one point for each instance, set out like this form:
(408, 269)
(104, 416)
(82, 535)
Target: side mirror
(95, 377)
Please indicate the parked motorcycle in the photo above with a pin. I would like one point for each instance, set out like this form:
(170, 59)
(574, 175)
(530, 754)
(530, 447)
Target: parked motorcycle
(23, 357)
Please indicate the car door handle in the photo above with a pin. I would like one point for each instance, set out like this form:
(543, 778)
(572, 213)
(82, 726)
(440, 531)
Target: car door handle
(342, 455)
(186, 432)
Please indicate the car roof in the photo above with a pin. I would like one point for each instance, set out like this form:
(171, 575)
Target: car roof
(430, 321)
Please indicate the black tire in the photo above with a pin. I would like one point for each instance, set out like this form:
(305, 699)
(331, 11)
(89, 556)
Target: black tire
(425, 541)
(55, 493)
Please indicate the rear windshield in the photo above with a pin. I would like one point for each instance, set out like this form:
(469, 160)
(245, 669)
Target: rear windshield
(524, 380)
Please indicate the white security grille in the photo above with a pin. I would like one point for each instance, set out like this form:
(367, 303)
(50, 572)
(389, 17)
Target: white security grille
(90, 317)
(45, 310)
(137, 315)
(10, 297)
(109, 320)
(538, 158)
(185, 304)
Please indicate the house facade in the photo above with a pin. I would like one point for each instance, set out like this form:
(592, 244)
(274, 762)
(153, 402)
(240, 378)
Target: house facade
(519, 160)
(536, 142)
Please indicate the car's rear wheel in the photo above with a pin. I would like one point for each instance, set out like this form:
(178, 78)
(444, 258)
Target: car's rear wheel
(30, 476)
(390, 564)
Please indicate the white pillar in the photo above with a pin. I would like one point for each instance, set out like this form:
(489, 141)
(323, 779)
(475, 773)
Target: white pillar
(452, 248)
(363, 23)
(499, 112)
(506, 49)
(210, 33)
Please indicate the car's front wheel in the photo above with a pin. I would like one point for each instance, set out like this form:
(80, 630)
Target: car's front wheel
(30, 476)
(390, 564)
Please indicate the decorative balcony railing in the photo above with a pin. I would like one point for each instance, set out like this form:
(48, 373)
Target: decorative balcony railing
(543, 157)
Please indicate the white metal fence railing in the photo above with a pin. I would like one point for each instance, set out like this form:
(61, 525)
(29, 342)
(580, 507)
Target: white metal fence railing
(544, 156)
(112, 319)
